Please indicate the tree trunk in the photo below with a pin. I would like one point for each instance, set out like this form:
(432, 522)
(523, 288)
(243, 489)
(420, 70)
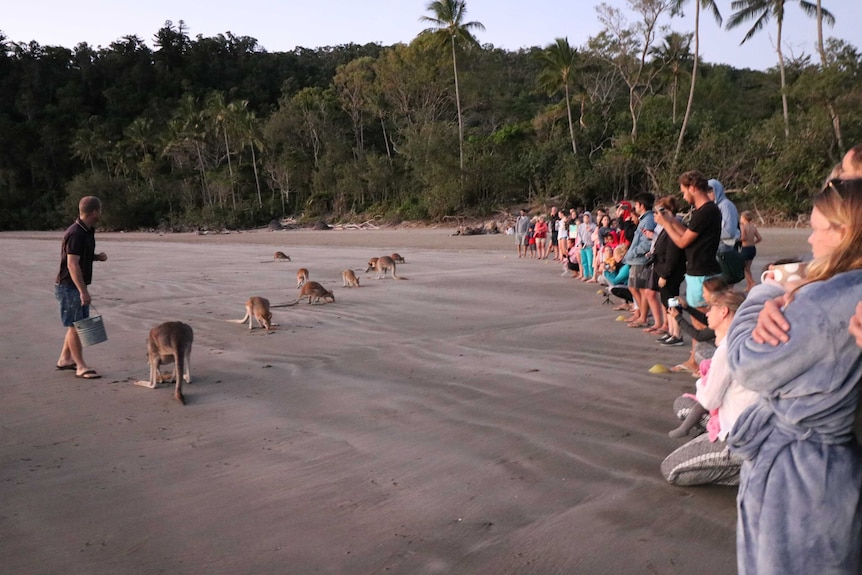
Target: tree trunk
(783, 83)
(256, 178)
(675, 88)
(571, 126)
(836, 119)
(229, 167)
(693, 81)
(458, 106)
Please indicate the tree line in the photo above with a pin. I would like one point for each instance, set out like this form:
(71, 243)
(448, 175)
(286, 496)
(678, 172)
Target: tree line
(218, 132)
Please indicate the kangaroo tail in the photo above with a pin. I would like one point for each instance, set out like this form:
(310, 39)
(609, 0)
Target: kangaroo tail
(288, 304)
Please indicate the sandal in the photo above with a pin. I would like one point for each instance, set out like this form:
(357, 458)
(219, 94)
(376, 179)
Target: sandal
(638, 324)
(89, 374)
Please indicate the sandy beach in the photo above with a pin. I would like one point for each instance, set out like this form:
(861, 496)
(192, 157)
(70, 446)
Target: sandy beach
(485, 416)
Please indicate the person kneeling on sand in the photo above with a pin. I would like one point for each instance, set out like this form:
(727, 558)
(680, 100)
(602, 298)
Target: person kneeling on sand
(706, 458)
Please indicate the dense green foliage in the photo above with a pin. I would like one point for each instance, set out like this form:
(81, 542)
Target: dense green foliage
(219, 132)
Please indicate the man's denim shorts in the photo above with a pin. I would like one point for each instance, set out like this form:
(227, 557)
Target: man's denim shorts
(71, 309)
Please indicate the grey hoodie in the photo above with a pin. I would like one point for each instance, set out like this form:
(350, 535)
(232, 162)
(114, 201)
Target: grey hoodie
(729, 214)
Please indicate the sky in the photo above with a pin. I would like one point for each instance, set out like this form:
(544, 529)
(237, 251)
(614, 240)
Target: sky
(283, 25)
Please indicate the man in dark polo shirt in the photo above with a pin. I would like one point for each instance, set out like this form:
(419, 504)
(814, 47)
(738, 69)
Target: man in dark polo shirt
(76, 272)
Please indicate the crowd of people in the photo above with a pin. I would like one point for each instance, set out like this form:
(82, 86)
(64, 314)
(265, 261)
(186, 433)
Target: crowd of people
(775, 408)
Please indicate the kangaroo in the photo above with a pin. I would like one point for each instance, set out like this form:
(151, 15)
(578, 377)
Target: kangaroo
(371, 263)
(382, 264)
(257, 308)
(313, 291)
(396, 257)
(170, 342)
(301, 277)
(349, 279)
(281, 256)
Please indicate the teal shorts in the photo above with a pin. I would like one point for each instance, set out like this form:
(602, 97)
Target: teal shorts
(694, 290)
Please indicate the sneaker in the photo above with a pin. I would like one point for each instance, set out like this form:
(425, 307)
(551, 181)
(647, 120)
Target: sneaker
(664, 338)
(673, 341)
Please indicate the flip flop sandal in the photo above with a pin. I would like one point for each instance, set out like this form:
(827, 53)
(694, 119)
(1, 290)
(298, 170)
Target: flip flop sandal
(66, 367)
(89, 374)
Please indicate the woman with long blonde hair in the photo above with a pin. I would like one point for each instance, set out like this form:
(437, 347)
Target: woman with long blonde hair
(800, 509)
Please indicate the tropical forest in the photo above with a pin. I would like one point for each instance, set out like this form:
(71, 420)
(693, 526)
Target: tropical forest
(178, 133)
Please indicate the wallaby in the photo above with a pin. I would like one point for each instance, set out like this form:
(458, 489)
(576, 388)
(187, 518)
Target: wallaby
(281, 256)
(170, 342)
(383, 264)
(371, 263)
(397, 258)
(349, 279)
(257, 308)
(301, 277)
(313, 291)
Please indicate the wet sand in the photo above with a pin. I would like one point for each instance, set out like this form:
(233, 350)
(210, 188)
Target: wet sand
(485, 416)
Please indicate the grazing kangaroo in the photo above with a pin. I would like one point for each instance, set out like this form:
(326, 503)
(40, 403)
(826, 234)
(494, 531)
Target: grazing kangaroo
(301, 277)
(313, 291)
(281, 256)
(383, 264)
(349, 279)
(257, 308)
(371, 263)
(170, 342)
(396, 257)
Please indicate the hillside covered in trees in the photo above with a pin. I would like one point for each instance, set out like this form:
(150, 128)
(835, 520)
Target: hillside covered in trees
(219, 132)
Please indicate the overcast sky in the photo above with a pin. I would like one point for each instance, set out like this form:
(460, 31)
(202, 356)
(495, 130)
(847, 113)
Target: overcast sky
(284, 25)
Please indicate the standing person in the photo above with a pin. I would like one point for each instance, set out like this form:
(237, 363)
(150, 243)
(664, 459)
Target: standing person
(78, 253)
(700, 240)
(668, 266)
(540, 232)
(636, 256)
(625, 225)
(522, 229)
(799, 503)
(562, 226)
(553, 217)
(729, 216)
(750, 237)
(585, 242)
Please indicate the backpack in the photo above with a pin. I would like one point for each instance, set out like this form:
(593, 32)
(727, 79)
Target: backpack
(732, 265)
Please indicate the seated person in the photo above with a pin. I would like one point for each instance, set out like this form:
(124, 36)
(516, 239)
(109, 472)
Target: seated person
(706, 458)
(573, 260)
(703, 338)
(616, 273)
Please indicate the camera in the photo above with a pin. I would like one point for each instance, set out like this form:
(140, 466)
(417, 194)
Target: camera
(659, 210)
(672, 302)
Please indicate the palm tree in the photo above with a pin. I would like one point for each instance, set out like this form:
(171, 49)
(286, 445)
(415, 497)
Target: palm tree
(675, 51)
(761, 11)
(559, 62)
(448, 23)
(711, 6)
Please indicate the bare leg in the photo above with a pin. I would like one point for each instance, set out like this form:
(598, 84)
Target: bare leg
(654, 301)
(73, 350)
(749, 279)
